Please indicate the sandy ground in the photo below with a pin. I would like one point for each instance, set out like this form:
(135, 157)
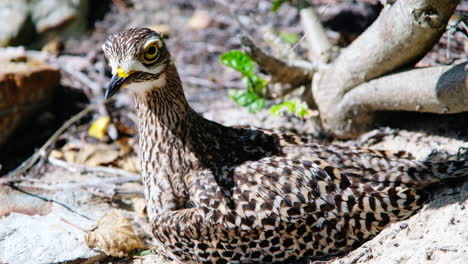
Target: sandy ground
(436, 234)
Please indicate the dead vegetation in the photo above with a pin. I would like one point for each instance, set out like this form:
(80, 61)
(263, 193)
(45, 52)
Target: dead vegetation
(376, 72)
(347, 76)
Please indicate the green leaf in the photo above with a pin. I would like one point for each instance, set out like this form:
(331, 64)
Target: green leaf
(252, 99)
(295, 107)
(242, 98)
(276, 5)
(291, 38)
(247, 99)
(288, 106)
(259, 85)
(239, 61)
(302, 110)
(255, 84)
(257, 105)
(144, 253)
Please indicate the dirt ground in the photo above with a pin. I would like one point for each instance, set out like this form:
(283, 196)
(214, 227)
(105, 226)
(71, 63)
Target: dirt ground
(436, 234)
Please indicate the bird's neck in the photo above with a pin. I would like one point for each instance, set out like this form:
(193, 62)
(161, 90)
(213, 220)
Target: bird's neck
(174, 140)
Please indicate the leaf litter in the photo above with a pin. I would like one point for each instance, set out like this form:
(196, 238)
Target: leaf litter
(114, 235)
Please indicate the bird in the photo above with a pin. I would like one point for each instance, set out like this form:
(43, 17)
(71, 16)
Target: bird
(219, 194)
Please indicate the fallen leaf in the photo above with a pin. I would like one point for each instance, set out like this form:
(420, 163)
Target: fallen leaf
(199, 20)
(92, 154)
(98, 128)
(55, 153)
(114, 235)
(130, 163)
(54, 46)
(139, 205)
(125, 147)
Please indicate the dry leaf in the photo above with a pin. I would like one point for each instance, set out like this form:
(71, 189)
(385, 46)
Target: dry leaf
(125, 129)
(199, 20)
(98, 128)
(139, 205)
(55, 153)
(129, 163)
(114, 235)
(91, 154)
(125, 147)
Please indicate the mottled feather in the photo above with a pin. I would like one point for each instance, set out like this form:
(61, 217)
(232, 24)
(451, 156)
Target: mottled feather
(219, 194)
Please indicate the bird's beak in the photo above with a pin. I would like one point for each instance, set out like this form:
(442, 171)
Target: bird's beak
(115, 84)
(118, 81)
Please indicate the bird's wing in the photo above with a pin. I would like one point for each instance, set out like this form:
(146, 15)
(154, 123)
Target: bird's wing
(283, 189)
(268, 190)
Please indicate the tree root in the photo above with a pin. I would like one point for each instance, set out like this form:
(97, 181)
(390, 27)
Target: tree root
(355, 85)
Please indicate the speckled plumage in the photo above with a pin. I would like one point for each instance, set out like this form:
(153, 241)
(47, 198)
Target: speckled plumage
(219, 194)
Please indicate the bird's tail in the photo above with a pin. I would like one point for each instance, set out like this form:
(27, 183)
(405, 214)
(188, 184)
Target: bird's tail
(448, 169)
(423, 173)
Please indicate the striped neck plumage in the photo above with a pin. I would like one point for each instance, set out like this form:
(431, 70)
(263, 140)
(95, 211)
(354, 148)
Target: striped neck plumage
(164, 119)
(175, 141)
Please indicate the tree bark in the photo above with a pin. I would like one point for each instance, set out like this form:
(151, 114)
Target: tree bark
(440, 90)
(401, 35)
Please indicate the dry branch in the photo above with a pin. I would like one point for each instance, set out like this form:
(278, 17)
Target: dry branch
(317, 40)
(401, 35)
(440, 90)
(79, 168)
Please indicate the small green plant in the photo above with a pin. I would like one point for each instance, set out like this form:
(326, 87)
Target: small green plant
(294, 106)
(291, 38)
(254, 98)
(144, 253)
(277, 4)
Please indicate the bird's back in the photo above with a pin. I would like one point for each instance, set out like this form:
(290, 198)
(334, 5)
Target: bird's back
(313, 199)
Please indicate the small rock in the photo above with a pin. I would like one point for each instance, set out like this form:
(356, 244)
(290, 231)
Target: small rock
(23, 19)
(54, 46)
(199, 20)
(35, 231)
(14, 15)
(429, 253)
(452, 221)
(403, 225)
(51, 14)
(164, 29)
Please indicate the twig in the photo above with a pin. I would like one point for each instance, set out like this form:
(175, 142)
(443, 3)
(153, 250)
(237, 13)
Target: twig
(108, 180)
(225, 6)
(49, 200)
(77, 227)
(315, 35)
(287, 74)
(95, 88)
(130, 176)
(7, 181)
(278, 45)
(81, 77)
(26, 165)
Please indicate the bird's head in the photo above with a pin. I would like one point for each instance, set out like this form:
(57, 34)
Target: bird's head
(138, 58)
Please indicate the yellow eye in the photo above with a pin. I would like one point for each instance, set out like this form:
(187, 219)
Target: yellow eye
(151, 52)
